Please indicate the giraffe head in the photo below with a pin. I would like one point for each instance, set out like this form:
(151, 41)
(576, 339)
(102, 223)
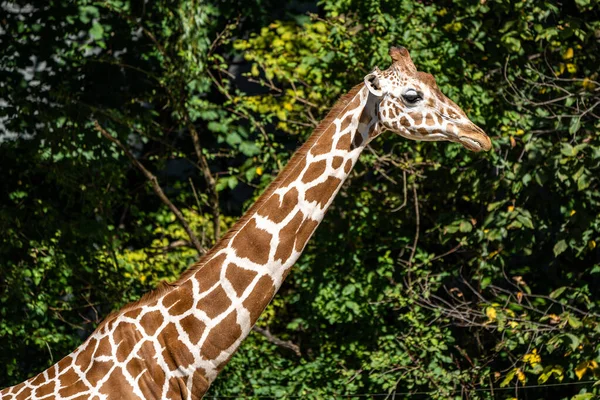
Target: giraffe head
(411, 104)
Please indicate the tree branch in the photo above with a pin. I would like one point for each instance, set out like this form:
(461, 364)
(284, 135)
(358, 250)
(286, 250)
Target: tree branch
(276, 341)
(155, 186)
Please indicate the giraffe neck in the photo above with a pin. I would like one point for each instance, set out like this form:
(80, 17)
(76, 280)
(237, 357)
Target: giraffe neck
(174, 342)
(247, 268)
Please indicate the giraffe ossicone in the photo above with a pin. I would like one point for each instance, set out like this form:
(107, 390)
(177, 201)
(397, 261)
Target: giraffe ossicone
(173, 342)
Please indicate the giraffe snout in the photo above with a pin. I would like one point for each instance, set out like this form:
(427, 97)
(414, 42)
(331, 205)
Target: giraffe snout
(474, 138)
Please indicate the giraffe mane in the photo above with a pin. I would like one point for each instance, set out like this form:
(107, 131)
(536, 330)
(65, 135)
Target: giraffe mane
(165, 287)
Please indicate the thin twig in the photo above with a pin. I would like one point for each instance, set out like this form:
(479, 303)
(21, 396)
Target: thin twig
(276, 341)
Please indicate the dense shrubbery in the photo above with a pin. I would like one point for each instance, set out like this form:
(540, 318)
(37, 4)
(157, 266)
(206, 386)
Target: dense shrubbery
(437, 271)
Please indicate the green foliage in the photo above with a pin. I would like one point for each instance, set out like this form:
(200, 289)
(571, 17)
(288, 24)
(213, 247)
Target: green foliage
(437, 271)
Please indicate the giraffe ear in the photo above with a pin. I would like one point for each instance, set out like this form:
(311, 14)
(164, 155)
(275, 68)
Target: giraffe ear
(372, 82)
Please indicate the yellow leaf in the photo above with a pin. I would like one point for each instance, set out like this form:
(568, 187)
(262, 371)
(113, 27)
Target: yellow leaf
(491, 313)
(519, 132)
(554, 319)
(592, 244)
(259, 171)
(281, 114)
(520, 376)
(581, 368)
(572, 213)
(287, 106)
(561, 68)
(572, 68)
(513, 324)
(567, 55)
(588, 84)
(532, 358)
(511, 208)
(494, 253)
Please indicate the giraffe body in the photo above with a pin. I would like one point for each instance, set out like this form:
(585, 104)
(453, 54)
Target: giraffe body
(174, 341)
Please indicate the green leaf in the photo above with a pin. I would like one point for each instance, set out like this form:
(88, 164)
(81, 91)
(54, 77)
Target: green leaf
(568, 150)
(549, 371)
(526, 221)
(560, 247)
(574, 125)
(584, 396)
(96, 31)
(583, 182)
(556, 293)
(583, 3)
(465, 226)
(509, 377)
(574, 321)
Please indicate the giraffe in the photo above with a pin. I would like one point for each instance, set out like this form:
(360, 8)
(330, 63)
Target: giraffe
(172, 343)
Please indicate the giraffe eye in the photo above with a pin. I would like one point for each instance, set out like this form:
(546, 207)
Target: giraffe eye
(411, 96)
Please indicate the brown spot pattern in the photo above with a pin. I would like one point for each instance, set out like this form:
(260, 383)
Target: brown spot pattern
(215, 302)
(345, 123)
(103, 348)
(314, 171)
(135, 367)
(304, 233)
(260, 297)
(294, 173)
(193, 327)
(40, 379)
(84, 358)
(45, 389)
(71, 384)
(210, 273)
(115, 386)
(344, 142)
(325, 142)
(221, 337)
(151, 322)
(177, 389)
(418, 118)
(252, 243)
(239, 278)
(174, 352)
(348, 166)
(199, 384)
(125, 337)
(149, 389)
(287, 237)
(133, 314)
(186, 298)
(322, 192)
(431, 120)
(98, 371)
(148, 352)
(277, 212)
(25, 393)
(337, 162)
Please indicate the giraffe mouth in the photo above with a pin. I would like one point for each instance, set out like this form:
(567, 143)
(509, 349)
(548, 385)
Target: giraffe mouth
(475, 139)
(471, 144)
